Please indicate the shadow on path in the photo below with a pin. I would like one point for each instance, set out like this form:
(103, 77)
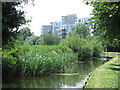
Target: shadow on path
(116, 69)
(116, 64)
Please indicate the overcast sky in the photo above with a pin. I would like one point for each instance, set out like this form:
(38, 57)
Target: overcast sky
(46, 11)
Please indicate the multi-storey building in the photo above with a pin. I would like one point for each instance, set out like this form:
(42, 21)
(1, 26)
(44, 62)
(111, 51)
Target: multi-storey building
(84, 20)
(62, 32)
(67, 23)
(46, 29)
(64, 27)
(55, 26)
(69, 19)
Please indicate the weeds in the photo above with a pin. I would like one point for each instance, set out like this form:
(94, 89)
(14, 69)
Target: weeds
(36, 60)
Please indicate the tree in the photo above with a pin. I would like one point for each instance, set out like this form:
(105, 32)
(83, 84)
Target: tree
(11, 20)
(34, 40)
(24, 33)
(81, 29)
(50, 39)
(106, 19)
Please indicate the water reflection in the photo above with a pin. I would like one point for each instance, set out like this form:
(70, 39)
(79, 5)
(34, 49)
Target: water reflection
(58, 81)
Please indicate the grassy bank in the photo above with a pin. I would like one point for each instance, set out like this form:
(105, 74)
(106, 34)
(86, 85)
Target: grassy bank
(105, 76)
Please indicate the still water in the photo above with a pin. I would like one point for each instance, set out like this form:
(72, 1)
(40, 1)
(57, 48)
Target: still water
(74, 74)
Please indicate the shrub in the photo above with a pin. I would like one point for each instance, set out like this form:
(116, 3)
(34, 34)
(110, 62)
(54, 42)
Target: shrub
(50, 39)
(97, 46)
(11, 66)
(85, 48)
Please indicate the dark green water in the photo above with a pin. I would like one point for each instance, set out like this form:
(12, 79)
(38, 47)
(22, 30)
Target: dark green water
(74, 74)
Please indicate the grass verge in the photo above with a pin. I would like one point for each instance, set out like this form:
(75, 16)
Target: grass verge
(106, 76)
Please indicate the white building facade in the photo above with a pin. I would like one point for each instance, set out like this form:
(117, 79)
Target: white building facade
(67, 24)
(46, 29)
(55, 26)
(84, 20)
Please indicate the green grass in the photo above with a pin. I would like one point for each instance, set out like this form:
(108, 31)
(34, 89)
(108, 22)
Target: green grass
(105, 76)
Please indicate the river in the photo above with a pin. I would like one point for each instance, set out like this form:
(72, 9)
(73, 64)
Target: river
(74, 76)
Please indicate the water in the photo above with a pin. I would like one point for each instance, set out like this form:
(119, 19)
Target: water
(73, 77)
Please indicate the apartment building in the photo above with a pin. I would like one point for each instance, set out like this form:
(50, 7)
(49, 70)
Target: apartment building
(84, 20)
(55, 26)
(67, 23)
(69, 19)
(64, 27)
(46, 29)
(62, 32)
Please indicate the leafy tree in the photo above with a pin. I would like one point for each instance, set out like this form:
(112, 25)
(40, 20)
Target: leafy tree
(24, 33)
(81, 29)
(11, 20)
(106, 19)
(50, 39)
(34, 40)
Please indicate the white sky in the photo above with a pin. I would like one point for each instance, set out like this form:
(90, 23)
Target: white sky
(46, 11)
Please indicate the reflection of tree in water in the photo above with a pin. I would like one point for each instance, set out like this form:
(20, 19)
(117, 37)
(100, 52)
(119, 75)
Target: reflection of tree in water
(50, 82)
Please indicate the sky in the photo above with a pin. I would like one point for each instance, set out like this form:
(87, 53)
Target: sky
(46, 11)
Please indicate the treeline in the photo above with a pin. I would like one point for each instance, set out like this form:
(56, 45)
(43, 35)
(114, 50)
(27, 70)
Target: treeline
(26, 37)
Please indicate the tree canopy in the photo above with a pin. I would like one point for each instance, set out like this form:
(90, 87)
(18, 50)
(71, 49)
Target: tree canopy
(51, 39)
(81, 29)
(12, 18)
(106, 19)
(24, 33)
(34, 40)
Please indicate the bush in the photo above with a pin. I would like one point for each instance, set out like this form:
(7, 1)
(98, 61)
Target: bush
(85, 48)
(11, 66)
(73, 42)
(50, 39)
(97, 46)
(85, 52)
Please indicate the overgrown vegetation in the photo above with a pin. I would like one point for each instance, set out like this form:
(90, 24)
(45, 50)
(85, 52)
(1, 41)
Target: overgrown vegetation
(85, 48)
(35, 60)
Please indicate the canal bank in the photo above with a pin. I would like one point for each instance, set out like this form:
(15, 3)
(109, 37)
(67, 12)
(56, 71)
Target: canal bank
(106, 76)
(75, 76)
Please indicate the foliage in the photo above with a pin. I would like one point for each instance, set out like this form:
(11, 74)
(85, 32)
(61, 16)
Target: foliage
(34, 40)
(81, 29)
(50, 39)
(11, 20)
(106, 20)
(10, 65)
(35, 60)
(86, 48)
(97, 45)
(74, 42)
(24, 33)
(29, 39)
